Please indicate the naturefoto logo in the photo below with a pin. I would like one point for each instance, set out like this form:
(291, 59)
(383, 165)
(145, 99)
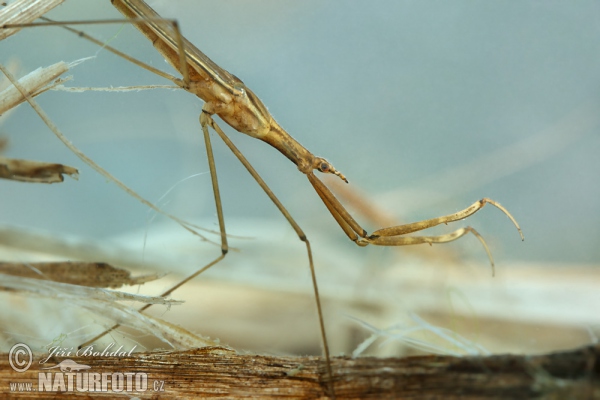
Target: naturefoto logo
(71, 376)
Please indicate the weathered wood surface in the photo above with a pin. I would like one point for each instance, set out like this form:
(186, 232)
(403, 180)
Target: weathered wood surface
(218, 372)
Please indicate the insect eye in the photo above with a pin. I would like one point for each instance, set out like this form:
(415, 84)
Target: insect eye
(324, 167)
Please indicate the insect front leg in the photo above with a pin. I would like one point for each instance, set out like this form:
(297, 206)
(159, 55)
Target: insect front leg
(393, 236)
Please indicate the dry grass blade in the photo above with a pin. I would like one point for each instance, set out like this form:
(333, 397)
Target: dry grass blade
(34, 83)
(67, 291)
(76, 273)
(22, 12)
(442, 340)
(106, 304)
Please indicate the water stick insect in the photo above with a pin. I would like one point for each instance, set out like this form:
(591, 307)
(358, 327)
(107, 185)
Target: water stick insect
(227, 97)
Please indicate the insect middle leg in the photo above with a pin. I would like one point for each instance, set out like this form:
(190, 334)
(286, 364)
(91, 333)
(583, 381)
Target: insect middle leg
(206, 120)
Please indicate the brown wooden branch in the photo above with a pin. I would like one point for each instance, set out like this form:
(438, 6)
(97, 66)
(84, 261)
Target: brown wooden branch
(218, 372)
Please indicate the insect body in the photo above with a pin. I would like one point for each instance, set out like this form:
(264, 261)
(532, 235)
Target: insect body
(227, 97)
(224, 94)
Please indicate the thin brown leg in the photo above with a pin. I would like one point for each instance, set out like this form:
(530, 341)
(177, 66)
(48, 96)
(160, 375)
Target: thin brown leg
(348, 230)
(428, 223)
(448, 237)
(333, 204)
(392, 236)
(179, 82)
(295, 226)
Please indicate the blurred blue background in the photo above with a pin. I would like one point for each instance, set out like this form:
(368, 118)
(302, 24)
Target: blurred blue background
(425, 106)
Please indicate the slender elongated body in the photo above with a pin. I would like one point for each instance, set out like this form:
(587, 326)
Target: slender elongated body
(229, 98)
(224, 93)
